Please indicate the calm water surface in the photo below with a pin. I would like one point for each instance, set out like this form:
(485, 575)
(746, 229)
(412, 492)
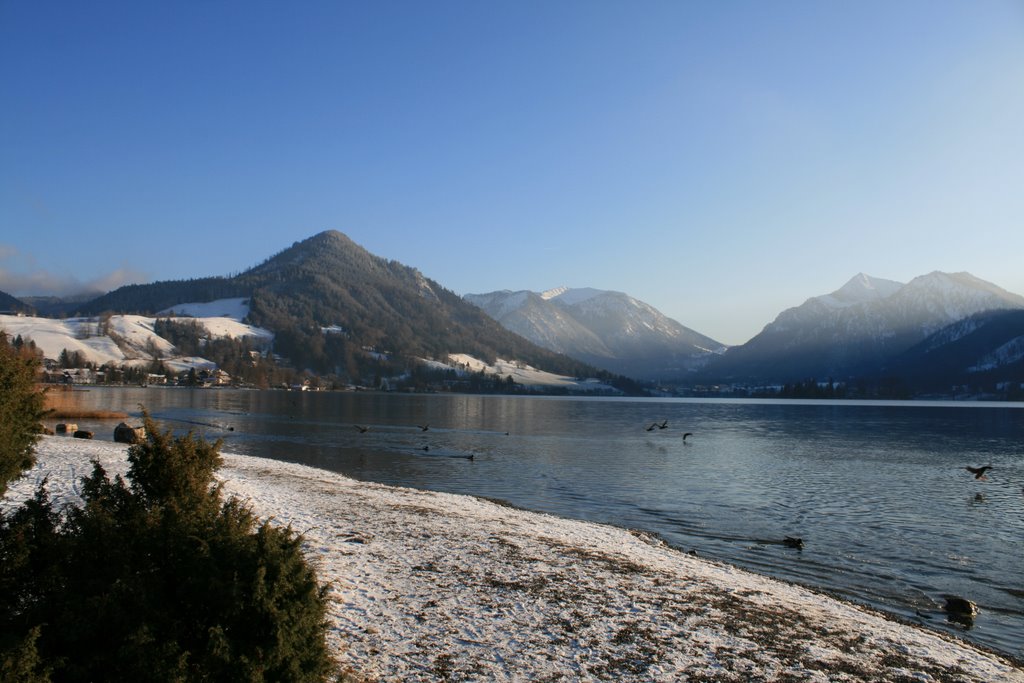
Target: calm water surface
(878, 492)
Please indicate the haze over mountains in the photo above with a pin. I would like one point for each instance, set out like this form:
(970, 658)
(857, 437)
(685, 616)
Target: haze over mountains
(606, 329)
(334, 308)
(937, 332)
(860, 329)
(13, 305)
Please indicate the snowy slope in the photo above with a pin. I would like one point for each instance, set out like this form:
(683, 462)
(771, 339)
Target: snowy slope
(1007, 354)
(73, 334)
(221, 318)
(525, 375)
(124, 338)
(986, 349)
(860, 289)
(236, 309)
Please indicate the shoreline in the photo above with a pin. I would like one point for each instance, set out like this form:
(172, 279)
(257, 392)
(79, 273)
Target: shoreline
(428, 586)
(60, 403)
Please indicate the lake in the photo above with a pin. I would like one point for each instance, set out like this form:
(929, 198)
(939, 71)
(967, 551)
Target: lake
(877, 491)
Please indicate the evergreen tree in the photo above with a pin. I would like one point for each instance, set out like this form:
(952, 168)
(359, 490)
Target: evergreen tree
(158, 579)
(21, 409)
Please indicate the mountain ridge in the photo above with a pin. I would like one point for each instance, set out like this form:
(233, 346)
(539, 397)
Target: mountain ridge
(605, 328)
(337, 309)
(857, 329)
(13, 304)
(377, 308)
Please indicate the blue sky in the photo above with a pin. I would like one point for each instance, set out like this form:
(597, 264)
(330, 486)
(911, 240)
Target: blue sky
(721, 161)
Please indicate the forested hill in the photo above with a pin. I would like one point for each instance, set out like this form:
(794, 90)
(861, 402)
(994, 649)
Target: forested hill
(330, 303)
(156, 296)
(10, 303)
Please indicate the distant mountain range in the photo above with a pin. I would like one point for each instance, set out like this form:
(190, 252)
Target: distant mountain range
(336, 309)
(609, 330)
(58, 306)
(933, 328)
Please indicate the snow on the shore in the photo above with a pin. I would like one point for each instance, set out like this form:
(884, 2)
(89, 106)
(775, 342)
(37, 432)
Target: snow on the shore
(432, 586)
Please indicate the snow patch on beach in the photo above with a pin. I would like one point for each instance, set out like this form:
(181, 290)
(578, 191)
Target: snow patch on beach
(429, 586)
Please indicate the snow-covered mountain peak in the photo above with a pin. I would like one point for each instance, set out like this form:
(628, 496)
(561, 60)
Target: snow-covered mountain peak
(949, 297)
(609, 329)
(941, 283)
(552, 293)
(850, 331)
(860, 289)
(570, 296)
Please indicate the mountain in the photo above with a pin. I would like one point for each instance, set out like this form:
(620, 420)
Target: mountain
(59, 306)
(981, 351)
(858, 329)
(610, 330)
(335, 308)
(11, 304)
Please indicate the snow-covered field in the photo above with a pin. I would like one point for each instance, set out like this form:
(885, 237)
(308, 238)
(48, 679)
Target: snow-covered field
(129, 338)
(526, 375)
(234, 309)
(432, 586)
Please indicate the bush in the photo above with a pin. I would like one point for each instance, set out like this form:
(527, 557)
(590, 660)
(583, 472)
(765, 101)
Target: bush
(21, 408)
(158, 580)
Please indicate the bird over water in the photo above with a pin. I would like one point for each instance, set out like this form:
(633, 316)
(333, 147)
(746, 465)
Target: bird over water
(978, 472)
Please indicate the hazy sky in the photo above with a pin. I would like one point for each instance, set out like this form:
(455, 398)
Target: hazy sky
(721, 161)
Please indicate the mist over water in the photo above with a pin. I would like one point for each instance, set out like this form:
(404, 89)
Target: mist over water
(877, 491)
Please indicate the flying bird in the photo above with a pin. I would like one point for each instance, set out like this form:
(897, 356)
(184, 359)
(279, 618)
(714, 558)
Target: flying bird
(423, 428)
(978, 472)
(663, 425)
(686, 435)
(361, 428)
